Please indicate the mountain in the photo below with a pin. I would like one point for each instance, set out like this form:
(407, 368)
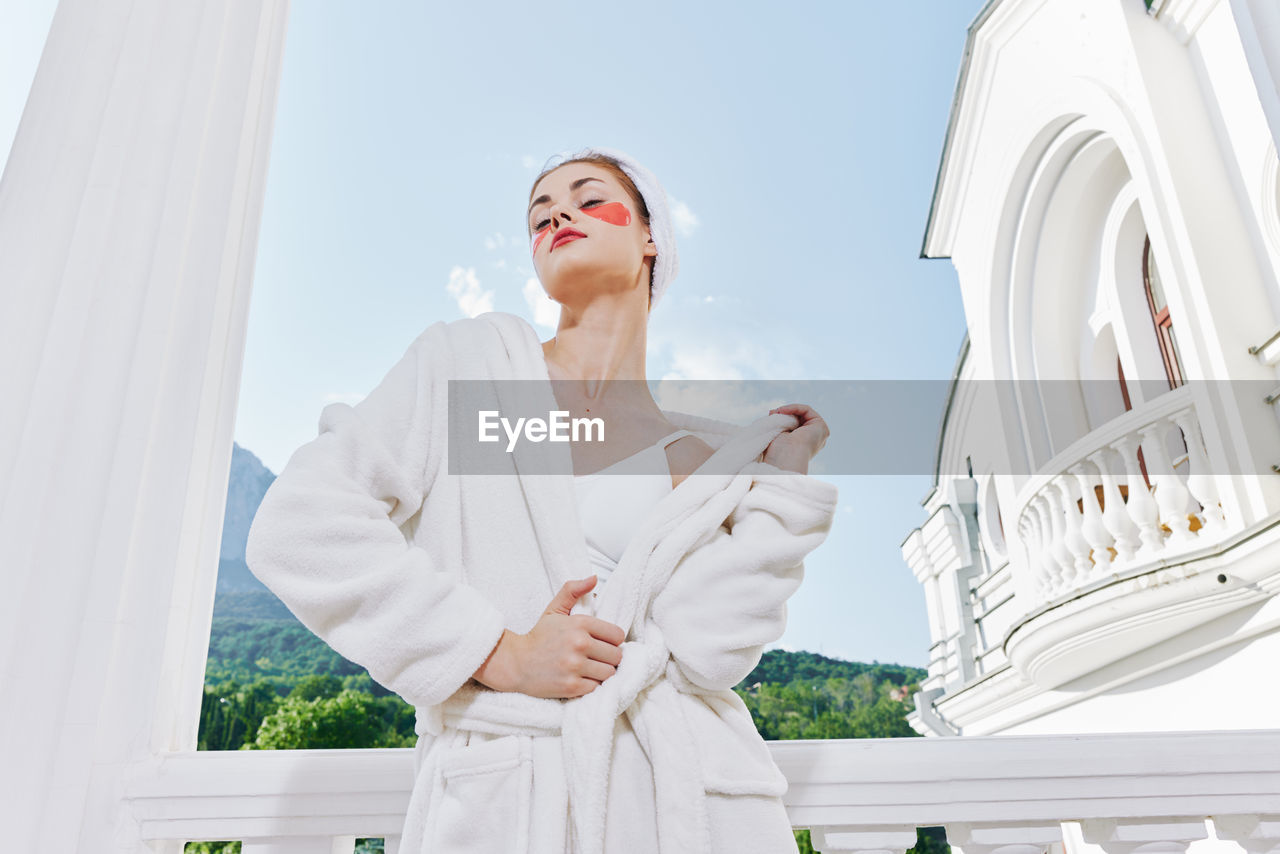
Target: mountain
(246, 486)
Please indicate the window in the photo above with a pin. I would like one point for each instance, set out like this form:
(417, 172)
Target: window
(1160, 317)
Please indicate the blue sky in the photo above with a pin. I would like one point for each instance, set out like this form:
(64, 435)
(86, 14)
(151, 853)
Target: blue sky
(799, 151)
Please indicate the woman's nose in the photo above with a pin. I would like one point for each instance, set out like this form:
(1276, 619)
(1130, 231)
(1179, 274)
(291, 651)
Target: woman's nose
(559, 213)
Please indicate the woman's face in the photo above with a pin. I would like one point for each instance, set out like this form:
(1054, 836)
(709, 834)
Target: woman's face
(609, 256)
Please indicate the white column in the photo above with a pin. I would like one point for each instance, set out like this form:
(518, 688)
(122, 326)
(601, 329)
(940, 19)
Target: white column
(129, 213)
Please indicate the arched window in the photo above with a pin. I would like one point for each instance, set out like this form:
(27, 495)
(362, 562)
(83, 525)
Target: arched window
(1160, 317)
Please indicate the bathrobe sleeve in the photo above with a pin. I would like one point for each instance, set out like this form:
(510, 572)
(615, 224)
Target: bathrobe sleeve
(327, 540)
(726, 599)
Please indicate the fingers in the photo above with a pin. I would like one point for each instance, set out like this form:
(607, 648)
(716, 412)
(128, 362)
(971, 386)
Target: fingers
(573, 654)
(604, 630)
(602, 657)
(605, 653)
(584, 686)
(569, 594)
(806, 414)
(800, 410)
(597, 671)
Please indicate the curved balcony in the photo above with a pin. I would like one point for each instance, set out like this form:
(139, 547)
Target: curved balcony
(1119, 532)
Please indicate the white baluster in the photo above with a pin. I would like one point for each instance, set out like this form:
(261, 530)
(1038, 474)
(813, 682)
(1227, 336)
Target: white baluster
(1057, 539)
(1029, 536)
(1124, 836)
(1256, 834)
(1171, 495)
(1200, 482)
(1076, 543)
(1114, 515)
(890, 839)
(1044, 560)
(299, 845)
(1046, 567)
(1095, 532)
(1141, 506)
(1023, 837)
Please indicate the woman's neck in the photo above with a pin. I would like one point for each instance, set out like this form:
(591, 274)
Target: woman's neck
(595, 346)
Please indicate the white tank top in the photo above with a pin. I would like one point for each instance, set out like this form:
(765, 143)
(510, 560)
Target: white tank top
(614, 501)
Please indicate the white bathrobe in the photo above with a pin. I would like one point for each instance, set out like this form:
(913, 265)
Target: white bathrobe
(414, 573)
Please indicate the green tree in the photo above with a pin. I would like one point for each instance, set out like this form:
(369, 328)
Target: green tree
(886, 718)
(317, 685)
(230, 713)
(347, 720)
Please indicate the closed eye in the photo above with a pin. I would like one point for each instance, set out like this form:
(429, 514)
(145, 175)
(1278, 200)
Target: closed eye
(538, 226)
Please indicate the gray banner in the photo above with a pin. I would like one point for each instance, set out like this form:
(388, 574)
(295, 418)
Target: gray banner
(877, 427)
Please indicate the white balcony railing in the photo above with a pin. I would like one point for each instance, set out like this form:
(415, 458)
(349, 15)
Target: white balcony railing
(1125, 792)
(1092, 515)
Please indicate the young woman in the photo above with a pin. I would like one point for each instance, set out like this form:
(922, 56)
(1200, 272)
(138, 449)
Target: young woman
(570, 642)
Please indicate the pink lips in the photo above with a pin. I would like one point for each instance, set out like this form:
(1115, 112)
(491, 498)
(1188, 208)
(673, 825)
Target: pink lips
(565, 236)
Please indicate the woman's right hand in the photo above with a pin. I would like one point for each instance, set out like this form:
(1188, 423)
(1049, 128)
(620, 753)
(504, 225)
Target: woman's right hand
(563, 656)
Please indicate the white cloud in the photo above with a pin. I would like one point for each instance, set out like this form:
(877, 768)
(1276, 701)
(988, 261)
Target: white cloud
(702, 358)
(736, 402)
(720, 300)
(683, 219)
(695, 360)
(528, 161)
(694, 350)
(464, 287)
(545, 310)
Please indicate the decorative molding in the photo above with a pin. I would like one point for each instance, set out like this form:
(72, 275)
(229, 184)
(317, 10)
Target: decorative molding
(1269, 197)
(916, 555)
(996, 24)
(942, 539)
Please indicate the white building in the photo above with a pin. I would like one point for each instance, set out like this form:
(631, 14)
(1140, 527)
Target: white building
(129, 213)
(1109, 197)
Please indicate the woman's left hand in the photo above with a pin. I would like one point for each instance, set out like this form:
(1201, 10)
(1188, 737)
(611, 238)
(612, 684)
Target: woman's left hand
(793, 448)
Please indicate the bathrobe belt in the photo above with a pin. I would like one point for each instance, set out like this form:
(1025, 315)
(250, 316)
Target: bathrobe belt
(644, 687)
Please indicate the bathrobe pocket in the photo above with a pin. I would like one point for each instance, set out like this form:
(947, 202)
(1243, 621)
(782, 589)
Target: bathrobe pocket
(735, 759)
(483, 797)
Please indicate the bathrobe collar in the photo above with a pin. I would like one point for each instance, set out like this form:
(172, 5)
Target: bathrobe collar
(551, 499)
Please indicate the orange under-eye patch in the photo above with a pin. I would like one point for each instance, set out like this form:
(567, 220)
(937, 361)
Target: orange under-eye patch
(614, 213)
(538, 236)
